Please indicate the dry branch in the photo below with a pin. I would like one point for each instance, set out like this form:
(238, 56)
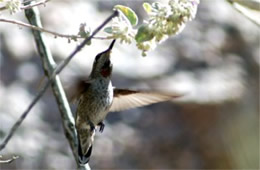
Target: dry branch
(39, 28)
(7, 161)
(56, 34)
(29, 5)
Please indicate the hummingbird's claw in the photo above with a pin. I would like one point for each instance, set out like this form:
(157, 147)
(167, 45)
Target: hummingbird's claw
(92, 126)
(102, 126)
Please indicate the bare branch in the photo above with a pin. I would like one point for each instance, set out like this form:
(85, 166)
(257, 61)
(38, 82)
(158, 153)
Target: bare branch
(22, 117)
(29, 6)
(39, 28)
(47, 31)
(250, 9)
(103, 38)
(58, 69)
(7, 161)
(79, 47)
(35, 4)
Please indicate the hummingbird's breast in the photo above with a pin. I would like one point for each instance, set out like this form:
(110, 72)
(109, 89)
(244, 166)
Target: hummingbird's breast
(95, 102)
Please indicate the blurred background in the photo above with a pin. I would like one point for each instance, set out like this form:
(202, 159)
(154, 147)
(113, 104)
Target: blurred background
(214, 61)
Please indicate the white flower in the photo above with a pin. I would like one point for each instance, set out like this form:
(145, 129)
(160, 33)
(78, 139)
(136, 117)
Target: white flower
(12, 5)
(165, 20)
(121, 29)
(146, 46)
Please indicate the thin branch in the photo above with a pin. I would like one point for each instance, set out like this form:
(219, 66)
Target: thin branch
(251, 4)
(7, 161)
(34, 5)
(245, 11)
(39, 28)
(58, 69)
(103, 38)
(47, 31)
(27, 1)
(28, 6)
(61, 66)
(22, 117)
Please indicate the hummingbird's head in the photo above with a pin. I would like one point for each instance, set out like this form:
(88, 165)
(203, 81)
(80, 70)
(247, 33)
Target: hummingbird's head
(102, 65)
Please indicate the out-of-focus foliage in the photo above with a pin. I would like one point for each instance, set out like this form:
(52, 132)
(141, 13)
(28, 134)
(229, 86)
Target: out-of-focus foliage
(12, 6)
(214, 61)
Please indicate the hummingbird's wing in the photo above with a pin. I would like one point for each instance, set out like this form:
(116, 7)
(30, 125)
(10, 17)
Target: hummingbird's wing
(78, 88)
(125, 99)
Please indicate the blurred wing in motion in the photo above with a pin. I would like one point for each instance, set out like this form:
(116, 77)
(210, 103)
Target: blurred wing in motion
(74, 92)
(126, 99)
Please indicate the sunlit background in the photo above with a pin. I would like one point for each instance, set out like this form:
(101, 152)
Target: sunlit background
(214, 61)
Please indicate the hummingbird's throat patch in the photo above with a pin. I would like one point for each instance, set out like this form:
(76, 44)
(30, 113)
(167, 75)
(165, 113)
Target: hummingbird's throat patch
(105, 72)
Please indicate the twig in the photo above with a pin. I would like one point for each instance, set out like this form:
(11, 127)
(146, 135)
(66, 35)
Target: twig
(251, 4)
(47, 31)
(28, 6)
(242, 10)
(7, 161)
(58, 69)
(103, 38)
(39, 28)
(35, 4)
(78, 48)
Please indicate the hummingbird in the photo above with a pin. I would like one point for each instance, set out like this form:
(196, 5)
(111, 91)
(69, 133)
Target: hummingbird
(96, 97)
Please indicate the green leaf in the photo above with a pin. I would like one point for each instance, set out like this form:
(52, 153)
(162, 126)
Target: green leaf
(108, 30)
(147, 7)
(129, 13)
(143, 34)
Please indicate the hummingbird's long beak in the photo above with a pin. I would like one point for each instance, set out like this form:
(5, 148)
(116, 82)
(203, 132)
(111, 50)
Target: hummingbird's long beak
(108, 51)
(111, 45)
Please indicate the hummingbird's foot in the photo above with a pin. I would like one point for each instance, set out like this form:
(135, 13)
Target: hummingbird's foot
(92, 126)
(102, 126)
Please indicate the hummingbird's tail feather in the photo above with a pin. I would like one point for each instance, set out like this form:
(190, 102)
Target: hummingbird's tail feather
(85, 142)
(83, 159)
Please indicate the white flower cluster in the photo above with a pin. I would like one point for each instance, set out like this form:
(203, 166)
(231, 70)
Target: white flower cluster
(121, 29)
(165, 20)
(12, 5)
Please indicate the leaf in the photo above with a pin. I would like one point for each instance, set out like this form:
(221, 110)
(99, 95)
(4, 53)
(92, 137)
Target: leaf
(147, 7)
(108, 30)
(129, 13)
(143, 34)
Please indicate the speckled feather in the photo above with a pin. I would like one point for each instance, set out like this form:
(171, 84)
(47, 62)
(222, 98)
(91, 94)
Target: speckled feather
(93, 106)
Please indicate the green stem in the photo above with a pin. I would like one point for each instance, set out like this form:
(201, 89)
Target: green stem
(49, 65)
